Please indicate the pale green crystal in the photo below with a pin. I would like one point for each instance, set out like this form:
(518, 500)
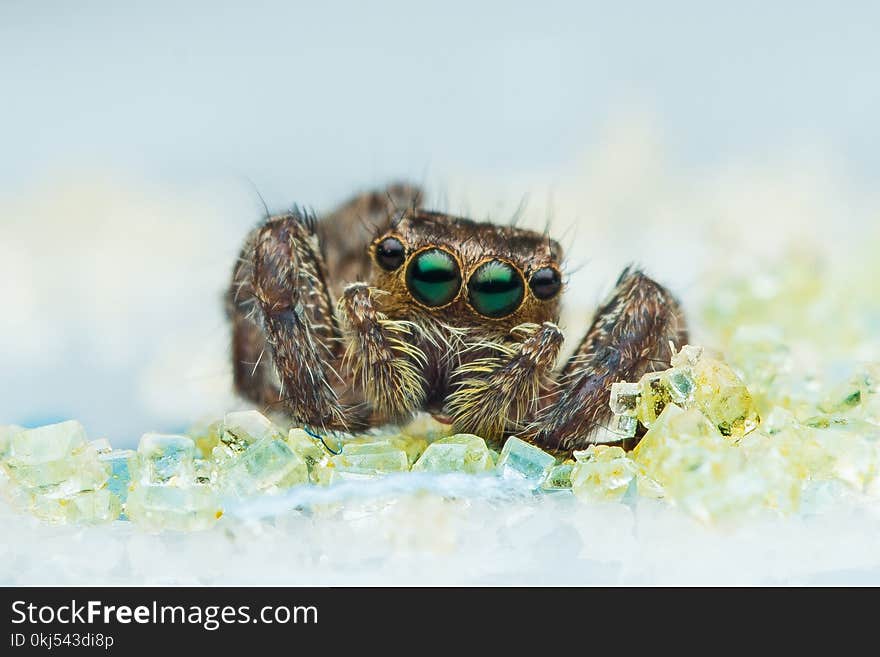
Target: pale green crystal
(266, 465)
(306, 445)
(602, 473)
(687, 356)
(243, 428)
(93, 506)
(203, 469)
(182, 508)
(559, 478)
(623, 426)
(680, 384)
(53, 442)
(55, 459)
(166, 459)
(462, 452)
(625, 398)
(85, 507)
(379, 457)
(521, 460)
(698, 468)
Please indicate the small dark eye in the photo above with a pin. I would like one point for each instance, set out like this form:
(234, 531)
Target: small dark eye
(390, 253)
(433, 277)
(496, 289)
(545, 283)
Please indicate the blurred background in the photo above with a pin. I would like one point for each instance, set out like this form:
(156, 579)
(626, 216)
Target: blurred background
(139, 142)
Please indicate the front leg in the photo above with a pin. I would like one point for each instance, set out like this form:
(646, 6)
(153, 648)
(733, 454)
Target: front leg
(493, 394)
(381, 356)
(285, 336)
(634, 332)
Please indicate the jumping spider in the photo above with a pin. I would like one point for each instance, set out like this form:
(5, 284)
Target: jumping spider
(457, 319)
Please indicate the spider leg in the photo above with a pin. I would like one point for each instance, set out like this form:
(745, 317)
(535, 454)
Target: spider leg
(381, 356)
(630, 335)
(285, 336)
(493, 394)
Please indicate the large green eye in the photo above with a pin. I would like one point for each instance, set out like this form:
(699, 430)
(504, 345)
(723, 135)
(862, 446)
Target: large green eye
(433, 277)
(495, 289)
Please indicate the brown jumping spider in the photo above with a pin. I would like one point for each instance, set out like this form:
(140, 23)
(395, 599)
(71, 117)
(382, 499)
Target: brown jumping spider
(457, 319)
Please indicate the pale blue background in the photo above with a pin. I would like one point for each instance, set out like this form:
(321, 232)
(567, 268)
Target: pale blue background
(210, 101)
(321, 96)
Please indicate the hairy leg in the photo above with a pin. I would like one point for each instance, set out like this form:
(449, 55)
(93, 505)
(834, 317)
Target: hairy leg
(493, 394)
(381, 356)
(630, 335)
(279, 293)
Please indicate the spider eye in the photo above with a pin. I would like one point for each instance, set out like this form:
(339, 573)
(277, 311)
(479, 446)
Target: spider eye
(495, 289)
(390, 253)
(546, 283)
(433, 277)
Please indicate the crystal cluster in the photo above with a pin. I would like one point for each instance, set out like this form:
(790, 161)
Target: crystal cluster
(702, 446)
(694, 381)
(606, 473)
(54, 472)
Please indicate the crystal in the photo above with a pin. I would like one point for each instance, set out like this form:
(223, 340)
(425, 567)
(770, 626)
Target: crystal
(781, 476)
(653, 399)
(413, 446)
(203, 469)
(306, 445)
(243, 428)
(602, 473)
(156, 507)
(724, 398)
(55, 459)
(623, 426)
(559, 478)
(100, 446)
(166, 459)
(93, 506)
(339, 475)
(625, 398)
(53, 442)
(687, 356)
(6, 433)
(206, 438)
(119, 462)
(698, 469)
(379, 456)
(680, 385)
(462, 452)
(521, 460)
(267, 465)
(852, 450)
(664, 445)
(425, 426)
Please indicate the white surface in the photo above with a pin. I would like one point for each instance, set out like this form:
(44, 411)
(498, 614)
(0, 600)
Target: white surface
(486, 535)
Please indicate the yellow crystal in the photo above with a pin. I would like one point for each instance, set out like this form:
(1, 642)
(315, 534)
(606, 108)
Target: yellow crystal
(723, 397)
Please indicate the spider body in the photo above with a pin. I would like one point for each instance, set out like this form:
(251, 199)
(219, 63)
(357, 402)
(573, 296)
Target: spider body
(382, 309)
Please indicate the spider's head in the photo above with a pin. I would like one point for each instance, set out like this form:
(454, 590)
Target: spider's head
(466, 273)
